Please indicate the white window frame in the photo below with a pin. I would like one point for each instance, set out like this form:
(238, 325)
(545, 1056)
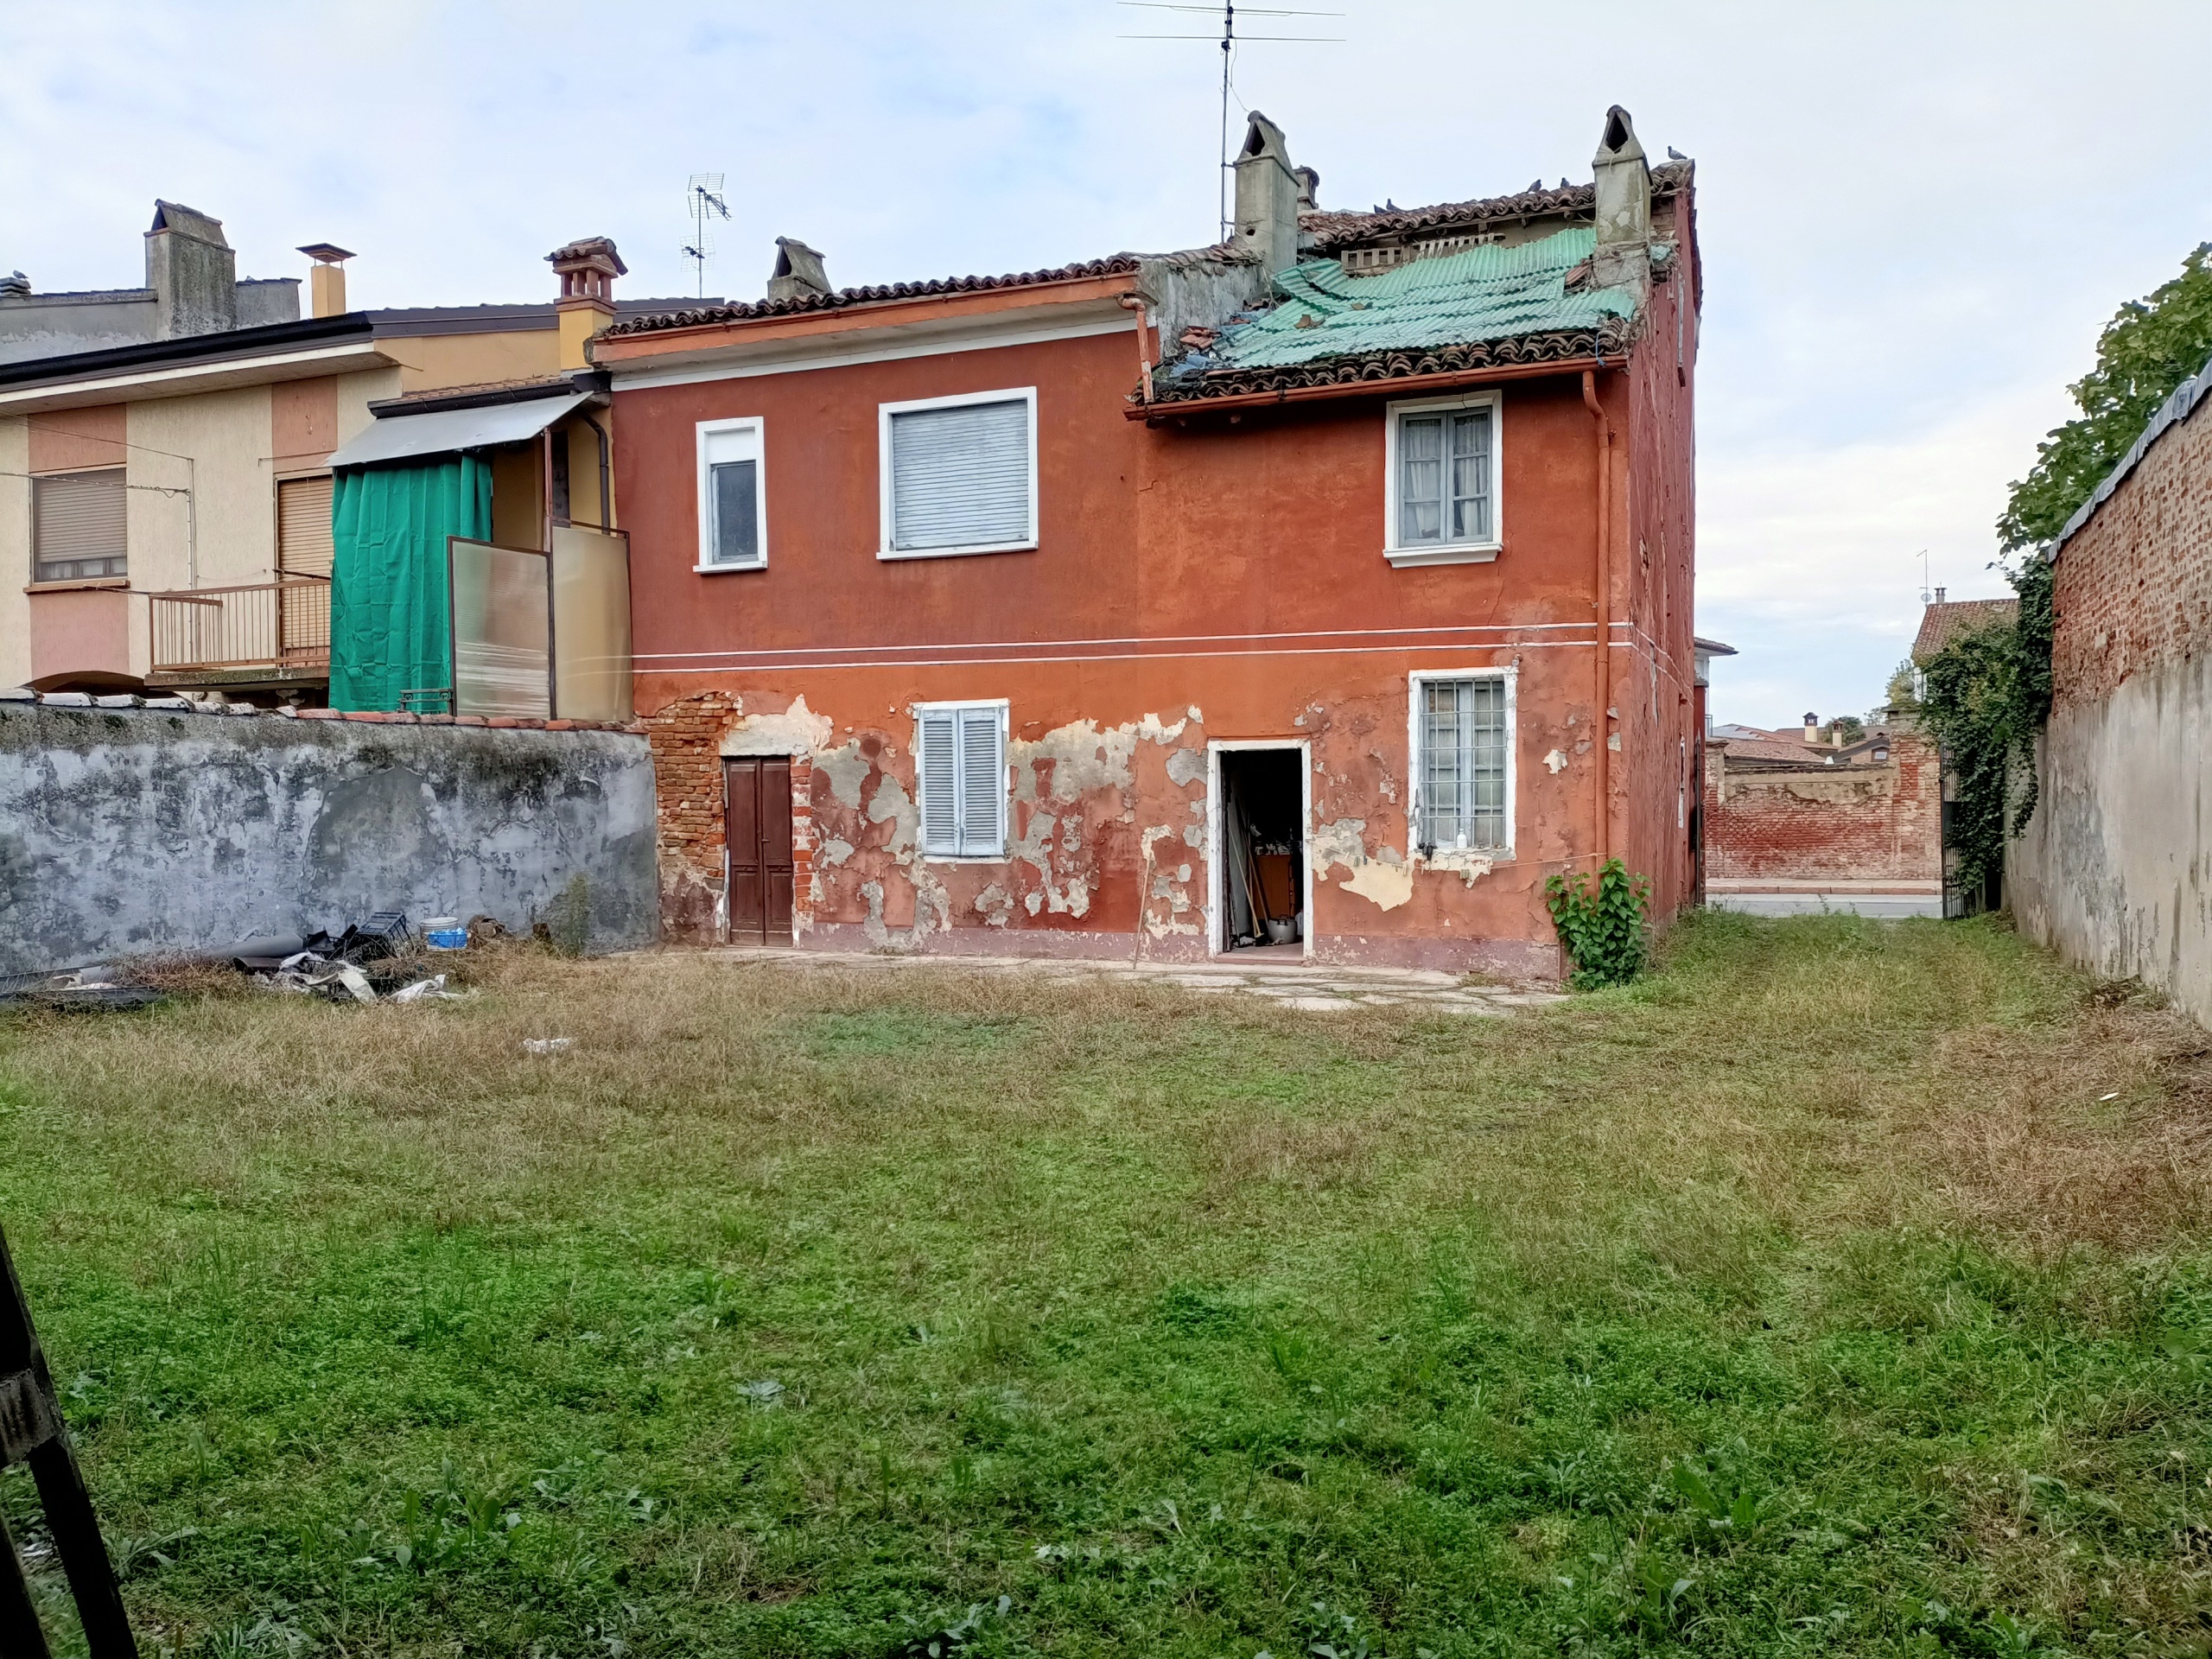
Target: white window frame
(1482, 552)
(1005, 780)
(759, 426)
(1416, 771)
(883, 414)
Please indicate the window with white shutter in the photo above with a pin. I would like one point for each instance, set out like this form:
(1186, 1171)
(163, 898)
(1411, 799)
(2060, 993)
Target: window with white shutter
(1463, 739)
(1443, 481)
(732, 499)
(77, 522)
(959, 475)
(961, 767)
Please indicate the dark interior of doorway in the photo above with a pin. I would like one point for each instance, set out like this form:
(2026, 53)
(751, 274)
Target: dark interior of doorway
(1263, 874)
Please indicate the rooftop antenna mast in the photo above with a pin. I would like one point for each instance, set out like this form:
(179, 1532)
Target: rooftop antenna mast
(1230, 39)
(706, 203)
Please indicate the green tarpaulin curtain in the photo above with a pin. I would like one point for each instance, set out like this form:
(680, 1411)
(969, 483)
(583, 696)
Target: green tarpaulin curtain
(389, 626)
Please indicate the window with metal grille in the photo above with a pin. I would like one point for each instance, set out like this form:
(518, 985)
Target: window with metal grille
(962, 767)
(733, 517)
(1464, 730)
(959, 477)
(1445, 484)
(77, 525)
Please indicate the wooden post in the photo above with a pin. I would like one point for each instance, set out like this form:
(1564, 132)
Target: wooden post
(31, 1431)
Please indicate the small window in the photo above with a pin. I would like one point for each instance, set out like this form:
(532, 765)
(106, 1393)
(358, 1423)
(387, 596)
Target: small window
(1443, 482)
(961, 765)
(733, 509)
(77, 525)
(960, 475)
(304, 539)
(1463, 733)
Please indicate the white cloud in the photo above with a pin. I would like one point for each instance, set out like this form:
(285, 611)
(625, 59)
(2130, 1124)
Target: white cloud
(1914, 218)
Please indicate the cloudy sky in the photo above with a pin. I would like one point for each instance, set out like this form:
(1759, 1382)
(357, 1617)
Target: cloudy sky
(1915, 217)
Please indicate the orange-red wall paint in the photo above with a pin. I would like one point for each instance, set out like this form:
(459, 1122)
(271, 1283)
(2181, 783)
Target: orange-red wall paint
(1192, 584)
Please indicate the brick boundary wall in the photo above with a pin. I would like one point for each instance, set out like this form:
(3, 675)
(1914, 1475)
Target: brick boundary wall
(1805, 826)
(2131, 591)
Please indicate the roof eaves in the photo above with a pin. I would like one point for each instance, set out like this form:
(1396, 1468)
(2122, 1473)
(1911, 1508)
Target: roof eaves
(228, 345)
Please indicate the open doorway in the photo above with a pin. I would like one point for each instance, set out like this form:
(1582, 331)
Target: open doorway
(1260, 834)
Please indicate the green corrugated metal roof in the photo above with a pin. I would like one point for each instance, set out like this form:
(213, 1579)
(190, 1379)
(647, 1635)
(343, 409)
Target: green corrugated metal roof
(1481, 294)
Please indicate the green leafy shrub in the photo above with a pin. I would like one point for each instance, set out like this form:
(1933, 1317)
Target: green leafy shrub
(1602, 923)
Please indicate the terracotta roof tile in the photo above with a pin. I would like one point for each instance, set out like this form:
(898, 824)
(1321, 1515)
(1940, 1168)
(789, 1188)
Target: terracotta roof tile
(744, 310)
(1332, 231)
(1955, 618)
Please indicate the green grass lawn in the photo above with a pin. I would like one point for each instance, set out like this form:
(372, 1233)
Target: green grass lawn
(1843, 1287)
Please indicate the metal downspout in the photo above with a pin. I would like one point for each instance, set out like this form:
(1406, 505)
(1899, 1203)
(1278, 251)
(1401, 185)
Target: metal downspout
(1603, 609)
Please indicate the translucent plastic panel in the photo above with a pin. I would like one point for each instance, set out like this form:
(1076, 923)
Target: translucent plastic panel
(591, 623)
(502, 631)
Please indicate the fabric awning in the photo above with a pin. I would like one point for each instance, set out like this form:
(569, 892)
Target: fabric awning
(437, 432)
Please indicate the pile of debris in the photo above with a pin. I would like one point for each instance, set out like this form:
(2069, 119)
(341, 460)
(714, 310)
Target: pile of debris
(378, 958)
(382, 959)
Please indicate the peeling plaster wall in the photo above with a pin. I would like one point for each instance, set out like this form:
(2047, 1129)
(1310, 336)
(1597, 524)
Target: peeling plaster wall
(2115, 870)
(137, 830)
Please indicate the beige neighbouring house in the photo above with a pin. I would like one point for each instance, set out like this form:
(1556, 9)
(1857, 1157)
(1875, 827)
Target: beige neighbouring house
(165, 486)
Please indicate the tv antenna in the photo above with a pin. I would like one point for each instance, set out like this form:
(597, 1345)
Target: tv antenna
(1926, 593)
(705, 200)
(1230, 39)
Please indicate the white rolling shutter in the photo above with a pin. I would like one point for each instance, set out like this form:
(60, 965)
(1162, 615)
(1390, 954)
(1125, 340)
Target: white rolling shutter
(940, 781)
(982, 785)
(78, 525)
(304, 539)
(960, 476)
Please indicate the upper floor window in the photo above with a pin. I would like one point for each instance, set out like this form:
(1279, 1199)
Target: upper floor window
(732, 504)
(77, 525)
(960, 755)
(959, 475)
(1443, 481)
(1462, 763)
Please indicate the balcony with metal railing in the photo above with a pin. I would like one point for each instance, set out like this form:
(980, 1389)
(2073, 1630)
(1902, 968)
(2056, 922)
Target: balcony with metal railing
(274, 635)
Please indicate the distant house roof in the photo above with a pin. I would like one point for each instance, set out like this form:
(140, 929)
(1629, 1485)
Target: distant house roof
(1942, 623)
(1712, 647)
(1420, 317)
(1773, 751)
(2177, 408)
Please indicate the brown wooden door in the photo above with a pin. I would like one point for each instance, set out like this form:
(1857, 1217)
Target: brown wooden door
(758, 796)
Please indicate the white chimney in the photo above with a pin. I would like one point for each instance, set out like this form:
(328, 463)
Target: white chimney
(1624, 254)
(1267, 189)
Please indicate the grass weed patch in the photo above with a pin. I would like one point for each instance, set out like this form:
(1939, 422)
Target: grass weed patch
(1837, 1288)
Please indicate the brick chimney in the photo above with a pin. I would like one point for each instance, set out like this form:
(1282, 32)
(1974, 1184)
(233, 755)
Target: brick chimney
(193, 272)
(1623, 253)
(799, 274)
(326, 279)
(586, 269)
(1267, 189)
(1812, 728)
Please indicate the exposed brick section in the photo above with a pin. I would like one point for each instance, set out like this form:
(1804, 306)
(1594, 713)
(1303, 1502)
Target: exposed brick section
(1878, 822)
(687, 739)
(2134, 585)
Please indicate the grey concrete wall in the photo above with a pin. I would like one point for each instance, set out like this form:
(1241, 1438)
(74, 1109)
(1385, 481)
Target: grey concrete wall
(2115, 872)
(126, 831)
(55, 325)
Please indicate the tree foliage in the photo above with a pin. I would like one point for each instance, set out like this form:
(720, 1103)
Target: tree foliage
(1986, 696)
(2149, 348)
